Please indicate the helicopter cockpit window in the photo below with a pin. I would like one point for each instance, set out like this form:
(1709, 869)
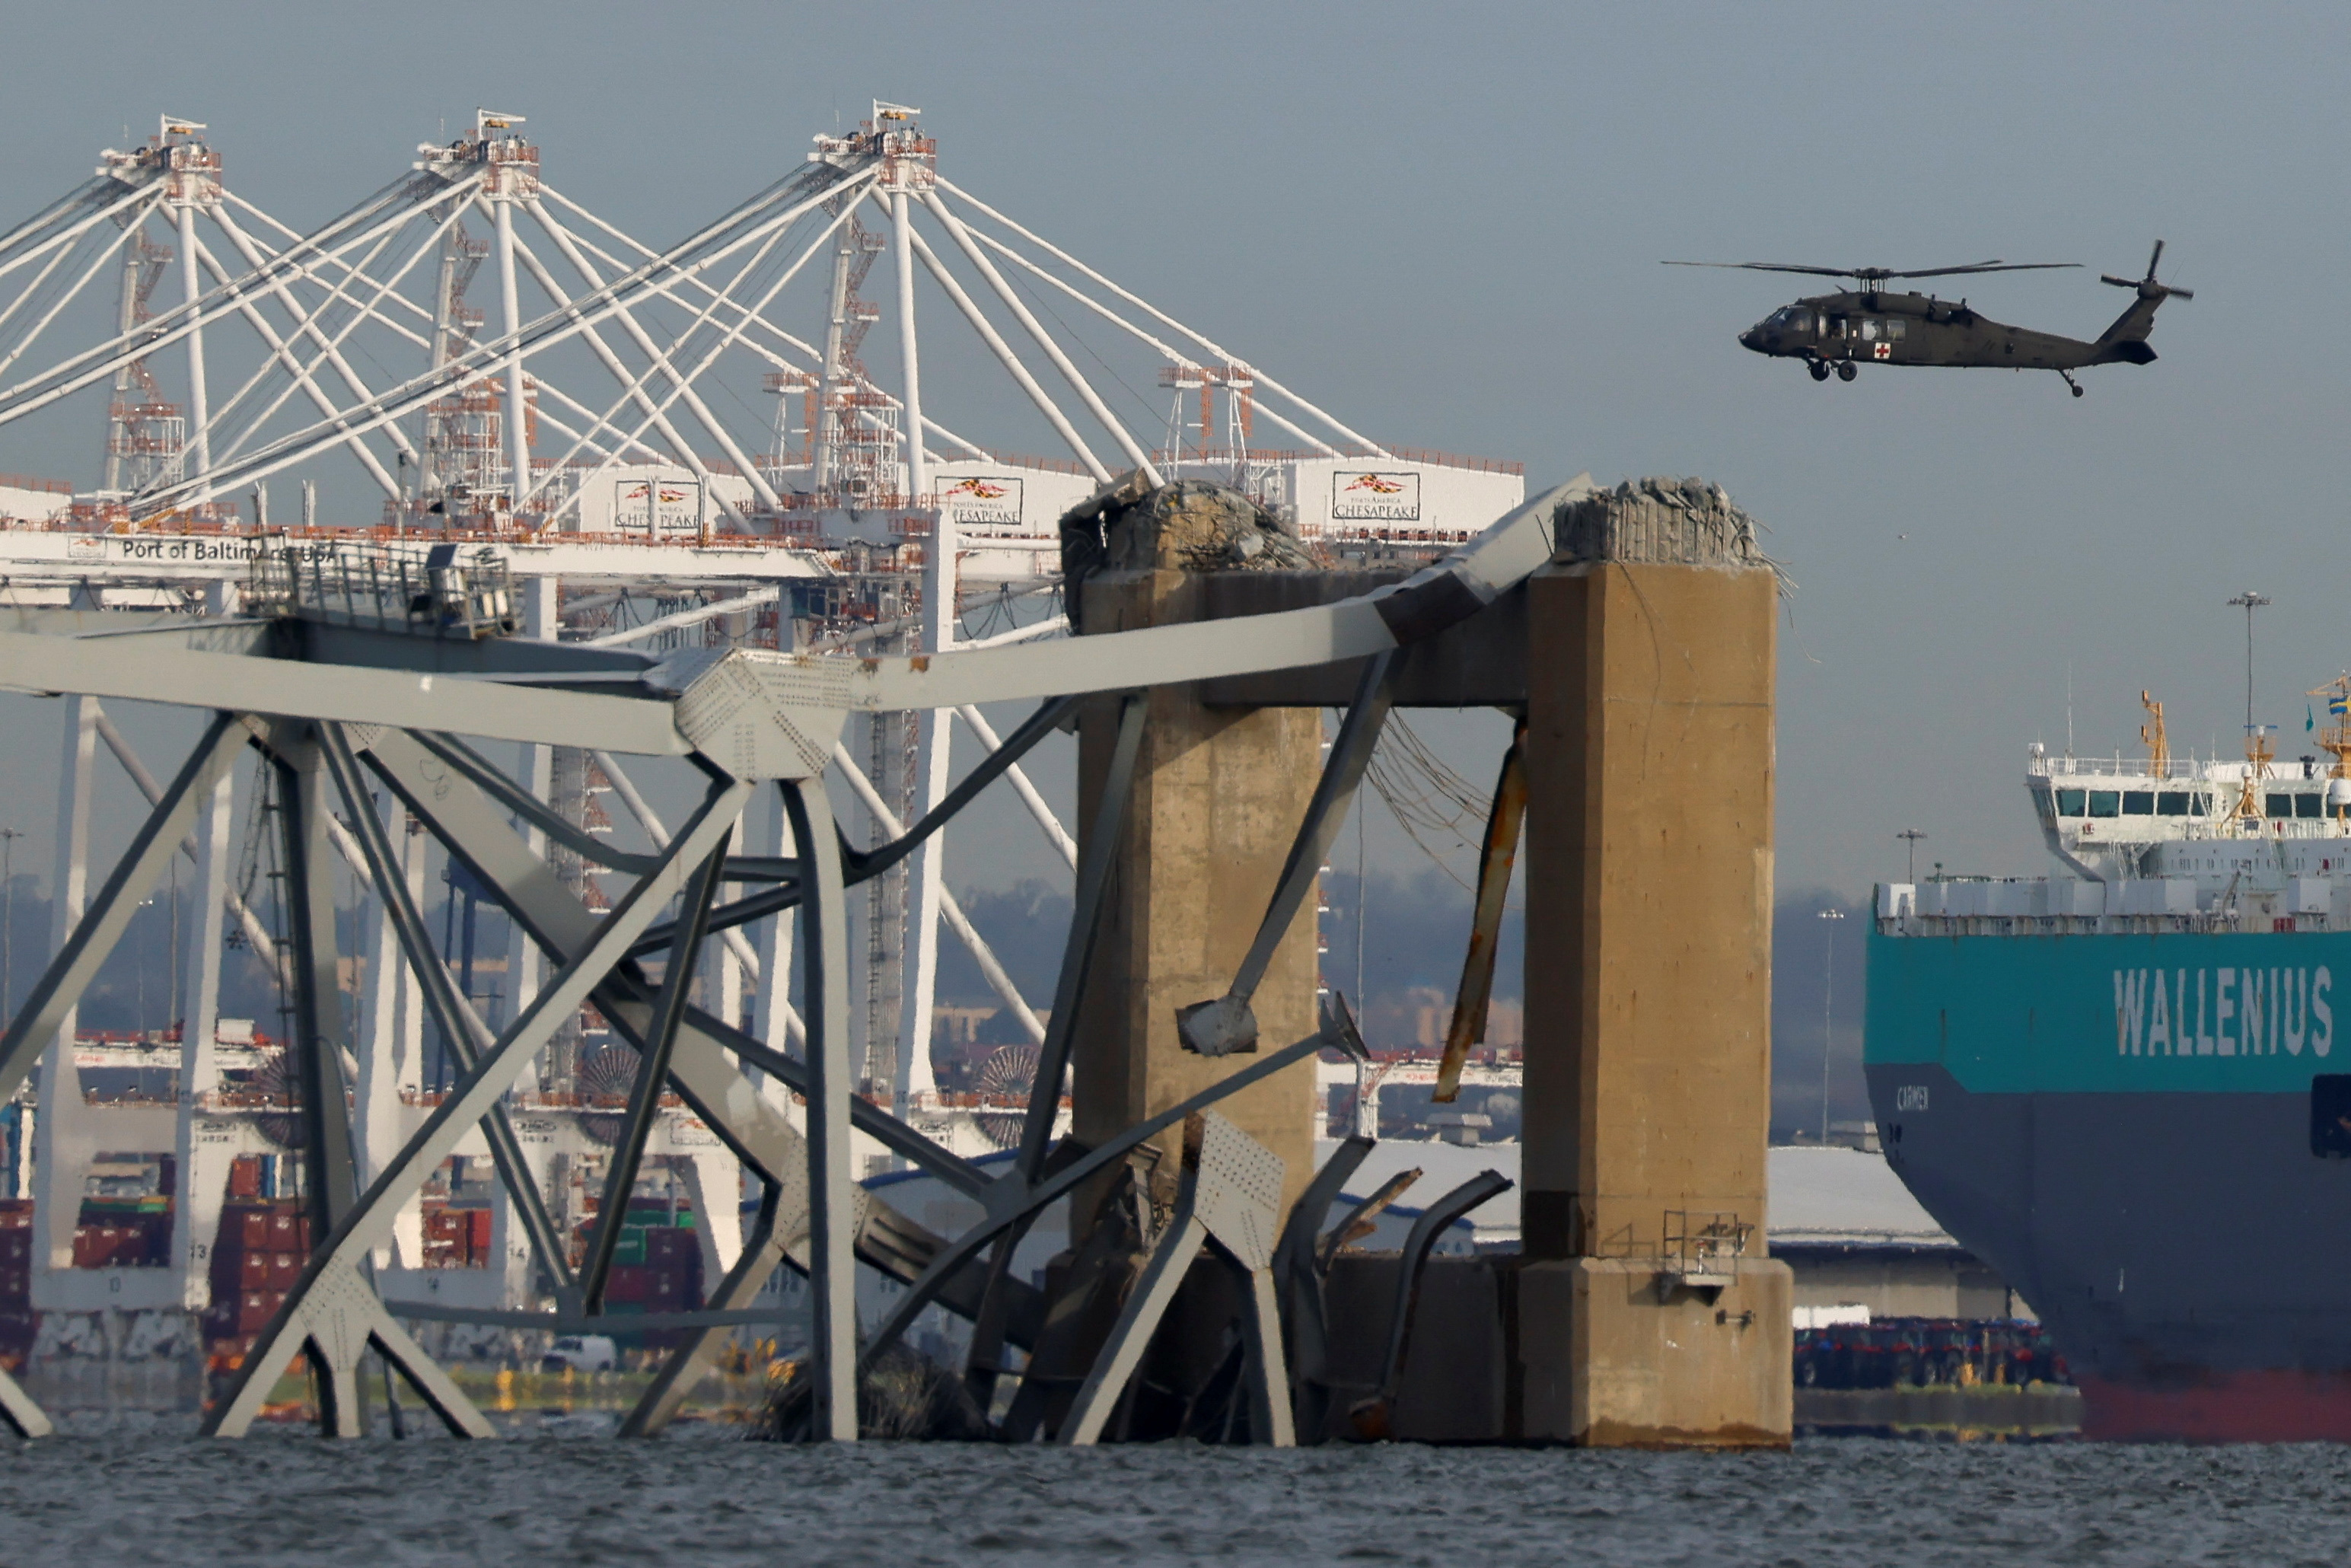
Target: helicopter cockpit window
(1792, 318)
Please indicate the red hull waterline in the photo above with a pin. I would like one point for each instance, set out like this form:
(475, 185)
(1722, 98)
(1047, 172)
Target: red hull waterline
(2270, 1405)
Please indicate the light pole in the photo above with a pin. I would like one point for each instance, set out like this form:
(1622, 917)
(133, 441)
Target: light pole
(1828, 999)
(1911, 836)
(8, 837)
(2249, 601)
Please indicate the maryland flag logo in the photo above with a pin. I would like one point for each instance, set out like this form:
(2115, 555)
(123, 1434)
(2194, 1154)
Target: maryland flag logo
(1376, 485)
(978, 489)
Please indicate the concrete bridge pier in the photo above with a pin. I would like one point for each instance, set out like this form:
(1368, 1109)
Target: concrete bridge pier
(1647, 1313)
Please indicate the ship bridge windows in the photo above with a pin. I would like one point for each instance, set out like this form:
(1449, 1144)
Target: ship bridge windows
(2309, 805)
(2138, 802)
(2106, 803)
(2178, 803)
(2072, 802)
(2302, 803)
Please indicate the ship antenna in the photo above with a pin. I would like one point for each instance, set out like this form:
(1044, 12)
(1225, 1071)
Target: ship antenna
(2069, 707)
(2258, 750)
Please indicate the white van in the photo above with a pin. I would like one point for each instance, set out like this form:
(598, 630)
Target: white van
(581, 1353)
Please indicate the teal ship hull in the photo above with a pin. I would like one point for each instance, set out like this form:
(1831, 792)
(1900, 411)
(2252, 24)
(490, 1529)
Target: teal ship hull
(2145, 1132)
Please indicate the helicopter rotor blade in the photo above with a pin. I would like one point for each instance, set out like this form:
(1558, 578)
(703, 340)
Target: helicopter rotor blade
(1770, 266)
(2153, 259)
(1987, 266)
(1881, 274)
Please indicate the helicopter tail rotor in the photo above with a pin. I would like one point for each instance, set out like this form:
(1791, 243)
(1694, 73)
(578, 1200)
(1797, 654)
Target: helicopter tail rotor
(2148, 288)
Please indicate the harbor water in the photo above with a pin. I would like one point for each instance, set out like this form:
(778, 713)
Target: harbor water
(131, 1492)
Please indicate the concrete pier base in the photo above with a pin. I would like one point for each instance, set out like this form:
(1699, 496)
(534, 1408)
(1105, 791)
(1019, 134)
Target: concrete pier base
(1613, 1354)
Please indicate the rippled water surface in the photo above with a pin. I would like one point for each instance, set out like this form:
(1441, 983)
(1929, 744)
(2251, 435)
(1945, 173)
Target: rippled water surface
(148, 1496)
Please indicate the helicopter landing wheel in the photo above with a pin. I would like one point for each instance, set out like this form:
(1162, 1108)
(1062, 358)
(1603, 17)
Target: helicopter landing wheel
(2074, 386)
(1820, 368)
(1847, 371)
(2077, 392)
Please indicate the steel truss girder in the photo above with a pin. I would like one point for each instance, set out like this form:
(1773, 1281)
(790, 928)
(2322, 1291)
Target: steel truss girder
(325, 1315)
(478, 837)
(109, 914)
(863, 865)
(333, 1309)
(459, 1024)
(69, 974)
(462, 818)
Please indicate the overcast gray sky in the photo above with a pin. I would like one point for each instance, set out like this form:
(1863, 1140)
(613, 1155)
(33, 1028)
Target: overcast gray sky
(1444, 223)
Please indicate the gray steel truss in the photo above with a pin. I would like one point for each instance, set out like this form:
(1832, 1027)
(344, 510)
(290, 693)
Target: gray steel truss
(338, 710)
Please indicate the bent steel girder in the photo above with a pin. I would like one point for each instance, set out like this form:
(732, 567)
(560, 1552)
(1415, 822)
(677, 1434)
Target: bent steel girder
(1223, 1025)
(19, 1413)
(824, 993)
(1010, 1199)
(1495, 857)
(1095, 866)
(479, 836)
(653, 1075)
(333, 1310)
(455, 1017)
(1305, 1330)
(863, 865)
(1100, 859)
(315, 1051)
(1424, 604)
(1232, 1199)
(523, 804)
(127, 667)
(1432, 1223)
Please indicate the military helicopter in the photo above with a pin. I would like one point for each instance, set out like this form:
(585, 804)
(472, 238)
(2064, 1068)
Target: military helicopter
(1832, 333)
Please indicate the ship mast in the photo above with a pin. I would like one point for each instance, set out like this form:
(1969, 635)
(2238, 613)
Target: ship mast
(2159, 745)
(2258, 748)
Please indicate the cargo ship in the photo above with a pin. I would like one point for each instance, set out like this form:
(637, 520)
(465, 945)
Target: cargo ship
(2123, 1084)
